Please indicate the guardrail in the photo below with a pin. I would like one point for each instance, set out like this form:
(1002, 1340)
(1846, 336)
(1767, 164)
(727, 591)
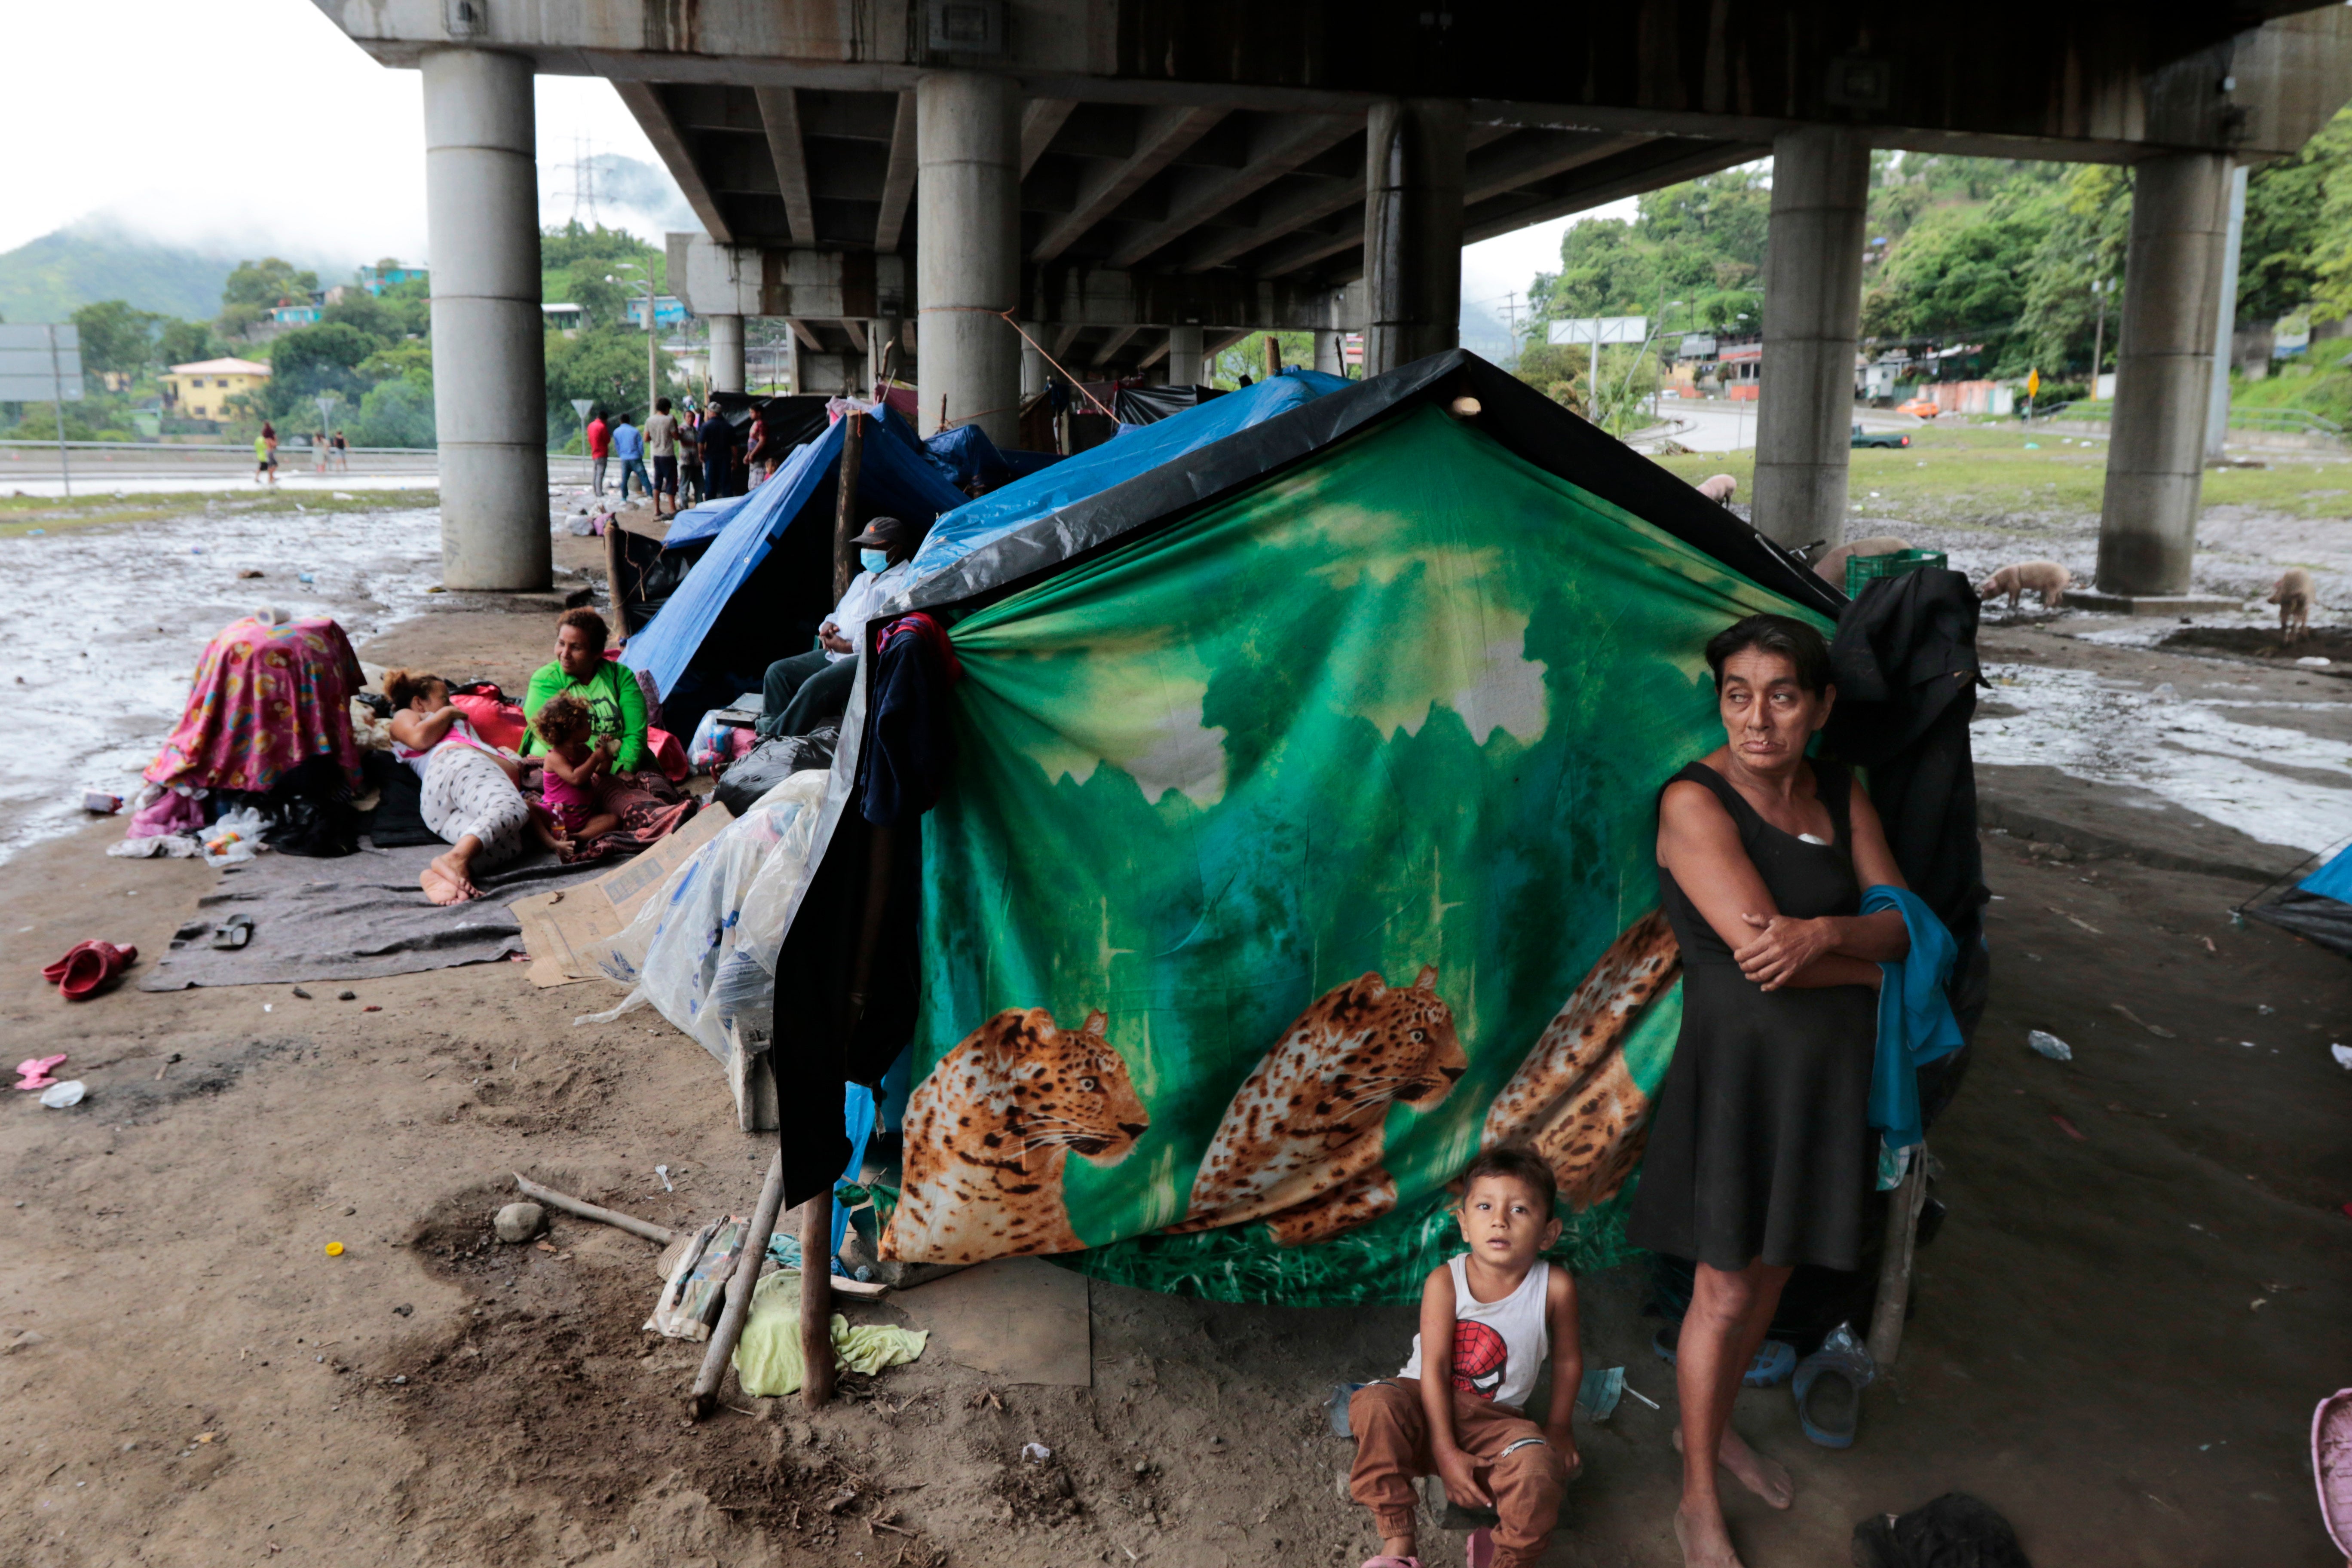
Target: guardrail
(2292, 421)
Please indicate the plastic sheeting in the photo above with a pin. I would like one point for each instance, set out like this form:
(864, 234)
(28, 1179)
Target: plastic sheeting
(898, 477)
(1000, 512)
(702, 951)
(972, 458)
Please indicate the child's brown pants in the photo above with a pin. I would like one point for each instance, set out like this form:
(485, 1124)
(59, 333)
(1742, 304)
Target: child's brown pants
(1510, 1458)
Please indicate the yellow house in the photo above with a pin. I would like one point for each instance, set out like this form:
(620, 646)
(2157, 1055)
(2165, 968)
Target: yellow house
(201, 389)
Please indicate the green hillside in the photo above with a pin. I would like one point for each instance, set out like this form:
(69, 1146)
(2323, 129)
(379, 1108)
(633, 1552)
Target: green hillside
(45, 279)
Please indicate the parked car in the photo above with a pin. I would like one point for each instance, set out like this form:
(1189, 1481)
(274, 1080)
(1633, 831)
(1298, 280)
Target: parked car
(1863, 438)
(1919, 408)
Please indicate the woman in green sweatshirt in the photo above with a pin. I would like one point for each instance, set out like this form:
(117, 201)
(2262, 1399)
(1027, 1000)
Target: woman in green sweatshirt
(615, 702)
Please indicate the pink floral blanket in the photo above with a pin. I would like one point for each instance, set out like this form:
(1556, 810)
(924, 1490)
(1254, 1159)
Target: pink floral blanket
(266, 698)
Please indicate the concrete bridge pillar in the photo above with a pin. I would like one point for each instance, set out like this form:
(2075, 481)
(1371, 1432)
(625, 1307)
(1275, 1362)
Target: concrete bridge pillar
(1184, 349)
(1413, 229)
(726, 352)
(1033, 367)
(2164, 376)
(1812, 311)
(1327, 357)
(968, 251)
(489, 367)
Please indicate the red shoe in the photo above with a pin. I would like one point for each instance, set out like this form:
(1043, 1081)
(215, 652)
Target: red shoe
(87, 966)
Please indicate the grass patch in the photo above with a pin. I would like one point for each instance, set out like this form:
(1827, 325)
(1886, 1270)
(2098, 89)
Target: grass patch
(1986, 475)
(21, 515)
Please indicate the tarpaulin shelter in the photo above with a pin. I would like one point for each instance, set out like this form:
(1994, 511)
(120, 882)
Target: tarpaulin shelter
(1125, 457)
(1293, 836)
(1150, 404)
(2318, 907)
(972, 459)
(761, 577)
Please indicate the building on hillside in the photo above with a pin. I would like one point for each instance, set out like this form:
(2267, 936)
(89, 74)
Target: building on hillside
(201, 389)
(1738, 367)
(292, 313)
(670, 310)
(376, 279)
(562, 316)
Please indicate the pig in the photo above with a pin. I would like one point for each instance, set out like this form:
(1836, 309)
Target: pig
(1830, 567)
(1719, 488)
(2293, 594)
(2046, 578)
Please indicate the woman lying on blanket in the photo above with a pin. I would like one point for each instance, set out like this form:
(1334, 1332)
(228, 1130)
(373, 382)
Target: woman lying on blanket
(473, 793)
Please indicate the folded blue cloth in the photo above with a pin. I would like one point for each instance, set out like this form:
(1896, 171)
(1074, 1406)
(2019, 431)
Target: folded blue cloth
(1915, 1015)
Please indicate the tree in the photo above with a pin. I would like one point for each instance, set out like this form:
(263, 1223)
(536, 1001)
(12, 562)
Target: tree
(2089, 229)
(186, 342)
(605, 364)
(394, 413)
(116, 339)
(2286, 215)
(253, 286)
(310, 361)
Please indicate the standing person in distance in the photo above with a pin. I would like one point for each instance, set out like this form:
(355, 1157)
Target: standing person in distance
(661, 446)
(600, 447)
(264, 455)
(629, 446)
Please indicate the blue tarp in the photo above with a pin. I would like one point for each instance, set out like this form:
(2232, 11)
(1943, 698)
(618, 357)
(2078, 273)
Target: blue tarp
(897, 478)
(706, 521)
(972, 457)
(2333, 880)
(1131, 452)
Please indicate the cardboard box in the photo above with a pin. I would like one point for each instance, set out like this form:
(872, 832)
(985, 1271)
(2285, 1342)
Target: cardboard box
(557, 928)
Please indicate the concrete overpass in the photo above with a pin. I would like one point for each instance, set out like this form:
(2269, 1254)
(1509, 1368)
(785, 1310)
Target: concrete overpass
(1139, 181)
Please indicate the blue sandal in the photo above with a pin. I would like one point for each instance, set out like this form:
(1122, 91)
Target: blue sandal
(1774, 1359)
(1827, 1389)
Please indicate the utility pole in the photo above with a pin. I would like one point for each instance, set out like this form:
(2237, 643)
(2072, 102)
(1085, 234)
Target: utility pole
(1511, 315)
(2099, 335)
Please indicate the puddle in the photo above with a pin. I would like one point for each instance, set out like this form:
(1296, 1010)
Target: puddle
(105, 625)
(2185, 749)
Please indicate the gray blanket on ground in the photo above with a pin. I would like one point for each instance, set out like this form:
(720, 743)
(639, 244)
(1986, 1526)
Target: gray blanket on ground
(361, 917)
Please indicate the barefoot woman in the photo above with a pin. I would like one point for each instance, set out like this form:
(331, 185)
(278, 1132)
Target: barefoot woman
(1761, 1156)
(473, 795)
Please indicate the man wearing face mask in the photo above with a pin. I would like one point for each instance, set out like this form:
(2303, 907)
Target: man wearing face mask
(801, 693)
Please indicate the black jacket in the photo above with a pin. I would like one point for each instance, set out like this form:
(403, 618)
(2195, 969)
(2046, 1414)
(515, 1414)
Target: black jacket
(1904, 661)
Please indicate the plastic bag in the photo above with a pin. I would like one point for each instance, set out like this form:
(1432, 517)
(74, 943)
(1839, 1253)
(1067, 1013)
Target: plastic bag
(236, 837)
(702, 950)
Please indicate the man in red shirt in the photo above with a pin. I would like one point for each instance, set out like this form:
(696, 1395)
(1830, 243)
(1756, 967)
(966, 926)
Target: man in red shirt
(600, 446)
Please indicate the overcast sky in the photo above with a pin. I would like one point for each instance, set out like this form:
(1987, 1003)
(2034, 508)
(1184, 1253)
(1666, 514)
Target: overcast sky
(193, 121)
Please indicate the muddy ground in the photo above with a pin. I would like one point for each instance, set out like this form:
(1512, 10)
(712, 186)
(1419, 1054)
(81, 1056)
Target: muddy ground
(2139, 1294)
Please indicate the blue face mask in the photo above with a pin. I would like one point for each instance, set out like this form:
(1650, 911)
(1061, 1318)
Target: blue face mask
(873, 560)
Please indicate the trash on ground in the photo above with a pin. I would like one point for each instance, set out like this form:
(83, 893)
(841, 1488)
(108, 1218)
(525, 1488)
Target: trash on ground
(2343, 1055)
(1598, 1394)
(236, 837)
(102, 803)
(33, 1072)
(1035, 1452)
(663, 1172)
(696, 1286)
(2049, 1044)
(57, 1097)
(768, 1358)
(2069, 1129)
(334, 1249)
(2157, 1029)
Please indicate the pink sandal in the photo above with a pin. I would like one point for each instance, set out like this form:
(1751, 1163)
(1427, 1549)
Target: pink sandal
(1392, 1563)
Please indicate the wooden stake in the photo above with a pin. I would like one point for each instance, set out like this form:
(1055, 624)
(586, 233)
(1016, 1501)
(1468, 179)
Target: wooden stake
(844, 515)
(570, 1205)
(817, 1299)
(1903, 1208)
(1273, 354)
(705, 1396)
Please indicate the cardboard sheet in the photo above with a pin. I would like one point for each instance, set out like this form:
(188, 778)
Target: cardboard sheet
(557, 928)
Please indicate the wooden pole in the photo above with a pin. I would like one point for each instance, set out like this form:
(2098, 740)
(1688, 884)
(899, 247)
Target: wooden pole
(723, 1338)
(570, 1205)
(1903, 1208)
(844, 515)
(817, 1299)
(1273, 354)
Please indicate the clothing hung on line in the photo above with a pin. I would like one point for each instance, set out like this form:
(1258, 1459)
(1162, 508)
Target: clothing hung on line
(1761, 1145)
(1499, 1346)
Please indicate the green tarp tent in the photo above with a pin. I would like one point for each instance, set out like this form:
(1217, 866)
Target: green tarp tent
(1298, 840)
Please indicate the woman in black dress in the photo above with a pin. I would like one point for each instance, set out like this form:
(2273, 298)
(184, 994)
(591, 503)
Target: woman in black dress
(1761, 1156)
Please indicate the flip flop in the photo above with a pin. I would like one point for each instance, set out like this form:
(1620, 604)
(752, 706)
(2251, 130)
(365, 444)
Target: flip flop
(1775, 1358)
(35, 1070)
(1828, 1388)
(2331, 1465)
(1478, 1552)
(1392, 1563)
(233, 932)
(90, 965)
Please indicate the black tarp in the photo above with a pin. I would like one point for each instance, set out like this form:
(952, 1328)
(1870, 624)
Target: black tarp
(1149, 404)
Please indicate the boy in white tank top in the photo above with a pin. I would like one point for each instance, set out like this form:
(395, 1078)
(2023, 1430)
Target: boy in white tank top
(1489, 1322)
